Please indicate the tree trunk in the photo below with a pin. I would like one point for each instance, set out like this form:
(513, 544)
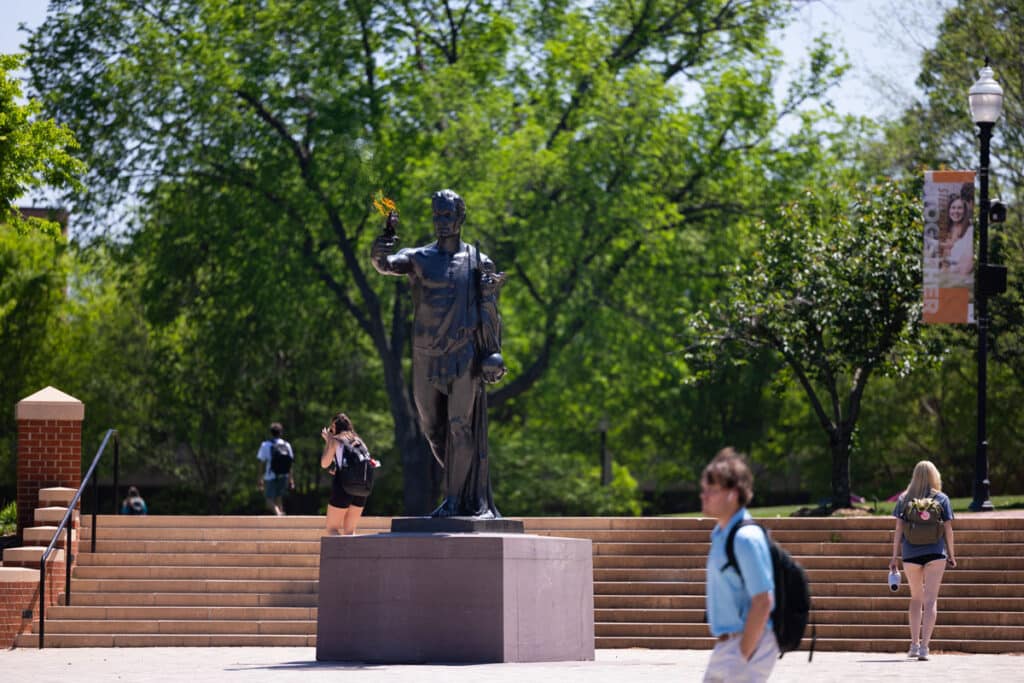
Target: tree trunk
(840, 442)
(418, 477)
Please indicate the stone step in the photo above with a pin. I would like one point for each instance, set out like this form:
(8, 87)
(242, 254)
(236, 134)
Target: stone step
(866, 631)
(82, 598)
(160, 547)
(53, 515)
(366, 524)
(695, 615)
(28, 556)
(886, 522)
(56, 496)
(42, 535)
(850, 644)
(809, 562)
(182, 627)
(249, 535)
(980, 607)
(198, 572)
(31, 640)
(199, 559)
(801, 550)
(192, 586)
(816, 576)
(868, 590)
(181, 613)
(785, 537)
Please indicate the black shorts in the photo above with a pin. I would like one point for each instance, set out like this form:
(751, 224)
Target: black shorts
(923, 559)
(342, 499)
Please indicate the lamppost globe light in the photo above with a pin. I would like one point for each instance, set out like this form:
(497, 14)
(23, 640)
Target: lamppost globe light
(986, 98)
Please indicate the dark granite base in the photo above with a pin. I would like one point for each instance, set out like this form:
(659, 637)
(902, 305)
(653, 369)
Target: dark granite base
(415, 598)
(455, 525)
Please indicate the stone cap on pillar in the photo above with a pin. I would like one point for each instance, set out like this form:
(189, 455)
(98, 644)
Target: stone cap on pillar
(49, 404)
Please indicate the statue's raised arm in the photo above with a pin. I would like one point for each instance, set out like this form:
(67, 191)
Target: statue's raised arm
(382, 254)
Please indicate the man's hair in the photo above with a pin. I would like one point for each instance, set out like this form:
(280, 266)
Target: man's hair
(451, 196)
(729, 470)
(276, 430)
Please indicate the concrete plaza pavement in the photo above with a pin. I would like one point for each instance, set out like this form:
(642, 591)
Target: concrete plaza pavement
(284, 664)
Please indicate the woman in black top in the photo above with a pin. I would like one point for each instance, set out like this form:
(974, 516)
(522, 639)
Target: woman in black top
(343, 509)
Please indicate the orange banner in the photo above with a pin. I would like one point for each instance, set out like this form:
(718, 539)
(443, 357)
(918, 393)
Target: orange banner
(948, 247)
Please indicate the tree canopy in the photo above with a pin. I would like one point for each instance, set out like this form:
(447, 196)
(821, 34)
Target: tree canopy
(612, 157)
(835, 294)
(34, 152)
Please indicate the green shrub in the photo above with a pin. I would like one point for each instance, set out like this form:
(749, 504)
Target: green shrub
(9, 519)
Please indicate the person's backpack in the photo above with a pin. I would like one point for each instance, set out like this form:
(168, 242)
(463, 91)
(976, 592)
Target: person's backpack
(356, 469)
(280, 458)
(792, 608)
(922, 521)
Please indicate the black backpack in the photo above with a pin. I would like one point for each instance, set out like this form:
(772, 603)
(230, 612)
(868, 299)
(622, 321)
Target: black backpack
(792, 593)
(356, 469)
(280, 458)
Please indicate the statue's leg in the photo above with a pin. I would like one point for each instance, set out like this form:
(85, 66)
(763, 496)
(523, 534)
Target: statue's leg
(432, 409)
(462, 444)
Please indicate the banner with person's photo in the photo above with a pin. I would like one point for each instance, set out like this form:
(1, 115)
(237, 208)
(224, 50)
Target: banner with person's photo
(948, 247)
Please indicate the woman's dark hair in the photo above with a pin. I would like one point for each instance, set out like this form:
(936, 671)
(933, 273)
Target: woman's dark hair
(729, 470)
(341, 425)
(133, 492)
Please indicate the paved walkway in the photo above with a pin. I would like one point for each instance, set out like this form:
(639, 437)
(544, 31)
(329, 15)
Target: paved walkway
(283, 664)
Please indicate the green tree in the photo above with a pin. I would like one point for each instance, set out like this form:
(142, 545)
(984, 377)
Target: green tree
(604, 150)
(33, 272)
(937, 132)
(833, 291)
(34, 152)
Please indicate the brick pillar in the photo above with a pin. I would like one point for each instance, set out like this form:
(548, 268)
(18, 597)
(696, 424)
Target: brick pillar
(49, 447)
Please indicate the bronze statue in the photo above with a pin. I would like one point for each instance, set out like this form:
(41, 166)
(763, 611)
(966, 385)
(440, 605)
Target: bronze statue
(456, 348)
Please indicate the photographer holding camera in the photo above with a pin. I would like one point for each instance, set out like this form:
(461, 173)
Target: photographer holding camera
(343, 509)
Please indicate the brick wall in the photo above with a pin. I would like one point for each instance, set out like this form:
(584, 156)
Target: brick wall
(49, 454)
(19, 591)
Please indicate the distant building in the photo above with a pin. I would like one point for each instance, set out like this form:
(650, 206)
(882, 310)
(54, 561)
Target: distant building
(49, 214)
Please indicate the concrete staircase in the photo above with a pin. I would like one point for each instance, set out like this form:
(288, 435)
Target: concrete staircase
(53, 505)
(212, 581)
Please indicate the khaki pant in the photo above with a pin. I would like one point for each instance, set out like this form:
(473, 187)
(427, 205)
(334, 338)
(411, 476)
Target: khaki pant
(727, 664)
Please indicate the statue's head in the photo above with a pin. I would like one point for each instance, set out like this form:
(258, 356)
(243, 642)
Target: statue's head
(449, 213)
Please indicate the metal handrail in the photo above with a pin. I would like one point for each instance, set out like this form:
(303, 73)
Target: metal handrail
(68, 557)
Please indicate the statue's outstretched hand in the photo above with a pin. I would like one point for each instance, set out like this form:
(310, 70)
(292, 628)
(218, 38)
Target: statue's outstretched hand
(384, 246)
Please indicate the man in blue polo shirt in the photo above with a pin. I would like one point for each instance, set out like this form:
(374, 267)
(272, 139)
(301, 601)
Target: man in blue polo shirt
(739, 608)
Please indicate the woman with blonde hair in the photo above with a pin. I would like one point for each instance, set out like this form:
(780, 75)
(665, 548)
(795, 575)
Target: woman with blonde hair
(343, 508)
(923, 562)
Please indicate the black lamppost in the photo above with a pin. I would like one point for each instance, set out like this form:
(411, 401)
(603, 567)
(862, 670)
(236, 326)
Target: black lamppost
(986, 100)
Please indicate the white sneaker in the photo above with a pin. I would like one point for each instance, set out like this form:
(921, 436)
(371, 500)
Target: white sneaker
(922, 653)
(913, 650)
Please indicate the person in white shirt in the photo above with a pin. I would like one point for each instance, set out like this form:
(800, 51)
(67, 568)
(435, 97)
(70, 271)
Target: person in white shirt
(276, 479)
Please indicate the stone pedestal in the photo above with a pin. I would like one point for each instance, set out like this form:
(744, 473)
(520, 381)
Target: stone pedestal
(412, 598)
